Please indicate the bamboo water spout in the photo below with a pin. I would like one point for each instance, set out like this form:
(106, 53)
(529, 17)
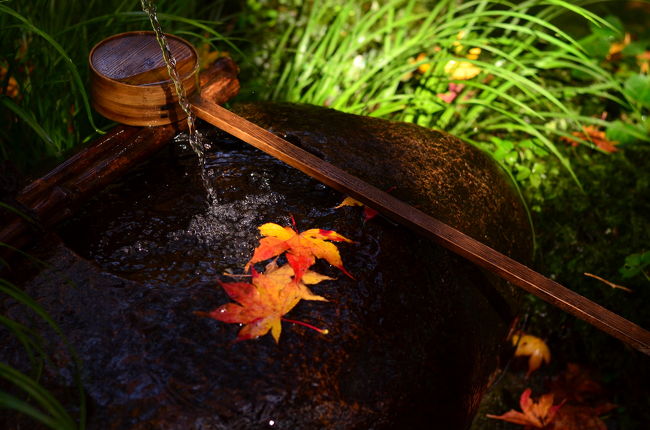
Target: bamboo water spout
(441, 233)
(54, 197)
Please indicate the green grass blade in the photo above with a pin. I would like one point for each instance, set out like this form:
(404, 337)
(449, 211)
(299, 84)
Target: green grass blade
(10, 402)
(62, 420)
(72, 68)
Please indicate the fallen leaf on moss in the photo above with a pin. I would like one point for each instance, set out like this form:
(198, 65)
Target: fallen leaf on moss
(302, 249)
(572, 417)
(575, 385)
(593, 134)
(473, 54)
(533, 347)
(461, 70)
(11, 88)
(348, 201)
(617, 47)
(533, 415)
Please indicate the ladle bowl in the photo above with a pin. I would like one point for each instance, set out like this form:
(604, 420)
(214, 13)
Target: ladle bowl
(129, 80)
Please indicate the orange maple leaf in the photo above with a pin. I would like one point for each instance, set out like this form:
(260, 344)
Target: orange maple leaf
(534, 414)
(532, 346)
(617, 47)
(12, 88)
(593, 134)
(262, 304)
(302, 249)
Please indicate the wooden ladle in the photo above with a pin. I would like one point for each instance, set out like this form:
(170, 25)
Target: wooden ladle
(127, 69)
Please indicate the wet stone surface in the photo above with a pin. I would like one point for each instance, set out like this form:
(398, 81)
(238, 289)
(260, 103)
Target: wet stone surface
(412, 341)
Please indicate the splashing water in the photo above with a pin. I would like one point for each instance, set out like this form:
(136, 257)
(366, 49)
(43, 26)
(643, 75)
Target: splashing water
(195, 140)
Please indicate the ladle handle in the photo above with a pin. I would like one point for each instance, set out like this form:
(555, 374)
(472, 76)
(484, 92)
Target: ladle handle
(443, 234)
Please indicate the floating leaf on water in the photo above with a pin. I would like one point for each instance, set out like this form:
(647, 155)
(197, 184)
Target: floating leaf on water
(302, 249)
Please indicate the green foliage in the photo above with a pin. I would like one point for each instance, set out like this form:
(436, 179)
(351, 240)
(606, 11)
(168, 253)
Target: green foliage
(531, 166)
(596, 230)
(637, 88)
(25, 394)
(367, 58)
(44, 48)
(636, 264)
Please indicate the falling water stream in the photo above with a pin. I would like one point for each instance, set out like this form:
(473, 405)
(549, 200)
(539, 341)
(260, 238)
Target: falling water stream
(149, 8)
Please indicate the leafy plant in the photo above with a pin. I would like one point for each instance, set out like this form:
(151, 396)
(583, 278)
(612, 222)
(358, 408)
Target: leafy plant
(402, 58)
(43, 66)
(636, 264)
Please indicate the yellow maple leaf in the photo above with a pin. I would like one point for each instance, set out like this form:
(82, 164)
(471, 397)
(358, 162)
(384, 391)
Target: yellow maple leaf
(461, 70)
(473, 54)
(348, 201)
(533, 347)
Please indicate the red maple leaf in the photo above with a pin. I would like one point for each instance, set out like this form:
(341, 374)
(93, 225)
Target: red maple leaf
(534, 415)
(572, 417)
(576, 385)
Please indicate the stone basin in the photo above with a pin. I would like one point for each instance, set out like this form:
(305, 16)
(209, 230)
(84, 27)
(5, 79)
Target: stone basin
(414, 339)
